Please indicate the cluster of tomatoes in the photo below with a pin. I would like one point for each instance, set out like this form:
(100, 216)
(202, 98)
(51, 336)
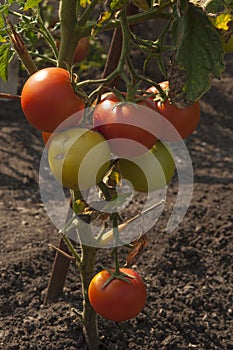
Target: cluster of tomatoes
(133, 132)
(79, 157)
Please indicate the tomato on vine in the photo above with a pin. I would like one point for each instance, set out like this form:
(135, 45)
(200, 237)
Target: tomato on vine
(150, 171)
(45, 137)
(130, 128)
(81, 50)
(48, 99)
(78, 157)
(119, 300)
(184, 120)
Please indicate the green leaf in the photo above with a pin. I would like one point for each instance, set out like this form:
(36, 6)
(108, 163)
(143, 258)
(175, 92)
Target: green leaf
(78, 206)
(4, 60)
(2, 23)
(199, 54)
(30, 4)
(3, 11)
(112, 7)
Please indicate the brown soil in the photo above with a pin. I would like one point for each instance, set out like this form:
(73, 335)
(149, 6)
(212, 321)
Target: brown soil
(188, 272)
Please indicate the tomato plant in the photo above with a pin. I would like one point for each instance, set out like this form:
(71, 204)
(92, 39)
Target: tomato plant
(76, 152)
(119, 300)
(150, 171)
(184, 120)
(122, 122)
(48, 99)
(127, 126)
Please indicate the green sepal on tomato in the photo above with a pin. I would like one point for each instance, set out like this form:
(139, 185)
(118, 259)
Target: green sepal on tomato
(119, 300)
(184, 120)
(129, 127)
(48, 100)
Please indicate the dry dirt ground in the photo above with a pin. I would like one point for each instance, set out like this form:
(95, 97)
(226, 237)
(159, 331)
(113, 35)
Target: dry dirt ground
(188, 272)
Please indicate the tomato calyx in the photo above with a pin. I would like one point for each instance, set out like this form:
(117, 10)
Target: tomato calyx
(117, 274)
(158, 92)
(123, 103)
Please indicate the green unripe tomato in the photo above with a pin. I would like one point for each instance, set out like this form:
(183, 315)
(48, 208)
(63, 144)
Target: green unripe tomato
(78, 158)
(151, 171)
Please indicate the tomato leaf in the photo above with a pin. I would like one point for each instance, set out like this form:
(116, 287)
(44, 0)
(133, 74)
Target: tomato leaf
(137, 250)
(30, 4)
(78, 206)
(4, 60)
(112, 7)
(2, 23)
(198, 56)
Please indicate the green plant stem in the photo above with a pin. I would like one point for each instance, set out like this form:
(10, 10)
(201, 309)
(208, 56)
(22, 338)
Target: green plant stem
(47, 36)
(69, 32)
(124, 53)
(88, 315)
(20, 47)
(71, 248)
(43, 57)
(139, 77)
(156, 12)
(87, 13)
(115, 217)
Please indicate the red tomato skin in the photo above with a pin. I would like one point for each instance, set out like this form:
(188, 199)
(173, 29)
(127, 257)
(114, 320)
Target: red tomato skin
(184, 120)
(48, 99)
(118, 301)
(127, 121)
(45, 137)
(81, 50)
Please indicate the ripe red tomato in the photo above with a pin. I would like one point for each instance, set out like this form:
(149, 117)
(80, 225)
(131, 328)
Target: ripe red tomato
(130, 128)
(184, 120)
(45, 137)
(81, 50)
(119, 300)
(48, 99)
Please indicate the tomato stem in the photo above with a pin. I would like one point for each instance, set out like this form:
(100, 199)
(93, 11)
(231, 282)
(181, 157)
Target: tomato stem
(69, 32)
(20, 47)
(88, 315)
(87, 13)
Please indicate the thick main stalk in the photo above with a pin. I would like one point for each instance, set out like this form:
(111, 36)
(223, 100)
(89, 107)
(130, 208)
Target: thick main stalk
(69, 32)
(88, 315)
